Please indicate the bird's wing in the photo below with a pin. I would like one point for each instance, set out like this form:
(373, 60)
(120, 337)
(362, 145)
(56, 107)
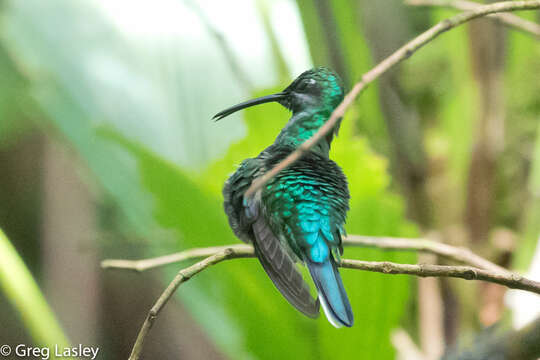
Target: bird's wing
(233, 195)
(278, 264)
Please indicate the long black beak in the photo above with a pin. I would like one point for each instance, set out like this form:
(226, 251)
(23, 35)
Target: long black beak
(265, 99)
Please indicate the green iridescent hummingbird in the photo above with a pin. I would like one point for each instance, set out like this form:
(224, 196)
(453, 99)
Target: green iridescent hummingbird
(300, 214)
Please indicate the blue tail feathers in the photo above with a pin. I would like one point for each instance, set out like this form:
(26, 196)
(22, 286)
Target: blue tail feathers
(332, 294)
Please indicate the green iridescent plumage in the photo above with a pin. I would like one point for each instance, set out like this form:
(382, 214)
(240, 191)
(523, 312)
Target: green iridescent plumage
(307, 204)
(300, 214)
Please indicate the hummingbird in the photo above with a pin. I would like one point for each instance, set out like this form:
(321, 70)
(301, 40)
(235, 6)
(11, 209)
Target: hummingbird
(299, 215)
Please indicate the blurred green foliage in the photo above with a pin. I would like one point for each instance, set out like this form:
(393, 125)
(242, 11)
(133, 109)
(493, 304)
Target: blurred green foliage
(17, 283)
(345, 49)
(147, 138)
(531, 223)
(16, 106)
(237, 304)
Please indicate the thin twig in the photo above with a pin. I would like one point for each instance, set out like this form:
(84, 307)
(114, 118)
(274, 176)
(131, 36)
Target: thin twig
(504, 277)
(218, 254)
(242, 251)
(401, 54)
(459, 254)
(228, 52)
(510, 20)
(512, 281)
(196, 253)
(182, 276)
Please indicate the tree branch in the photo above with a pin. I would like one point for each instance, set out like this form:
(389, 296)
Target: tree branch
(218, 254)
(509, 280)
(487, 272)
(401, 54)
(182, 276)
(239, 250)
(510, 20)
(458, 254)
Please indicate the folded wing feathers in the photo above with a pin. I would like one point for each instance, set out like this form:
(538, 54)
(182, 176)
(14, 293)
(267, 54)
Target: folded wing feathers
(281, 269)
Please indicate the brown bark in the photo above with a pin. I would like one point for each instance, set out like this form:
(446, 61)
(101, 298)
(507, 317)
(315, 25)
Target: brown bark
(487, 56)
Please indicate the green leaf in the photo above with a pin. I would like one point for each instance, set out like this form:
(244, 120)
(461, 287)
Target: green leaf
(21, 290)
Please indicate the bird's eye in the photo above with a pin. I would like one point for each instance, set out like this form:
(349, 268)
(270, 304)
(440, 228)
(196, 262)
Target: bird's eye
(305, 83)
(302, 85)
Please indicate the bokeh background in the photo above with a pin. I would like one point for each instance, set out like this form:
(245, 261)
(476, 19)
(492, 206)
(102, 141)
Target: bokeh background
(107, 150)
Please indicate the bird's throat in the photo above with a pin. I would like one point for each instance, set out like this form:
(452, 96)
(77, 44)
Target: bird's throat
(302, 126)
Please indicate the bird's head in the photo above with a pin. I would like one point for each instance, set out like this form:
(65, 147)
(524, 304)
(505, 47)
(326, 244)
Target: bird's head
(316, 88)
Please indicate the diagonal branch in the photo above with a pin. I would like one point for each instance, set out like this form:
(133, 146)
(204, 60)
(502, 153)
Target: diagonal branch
(182, 276)
(510, 20)
(401, 54)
